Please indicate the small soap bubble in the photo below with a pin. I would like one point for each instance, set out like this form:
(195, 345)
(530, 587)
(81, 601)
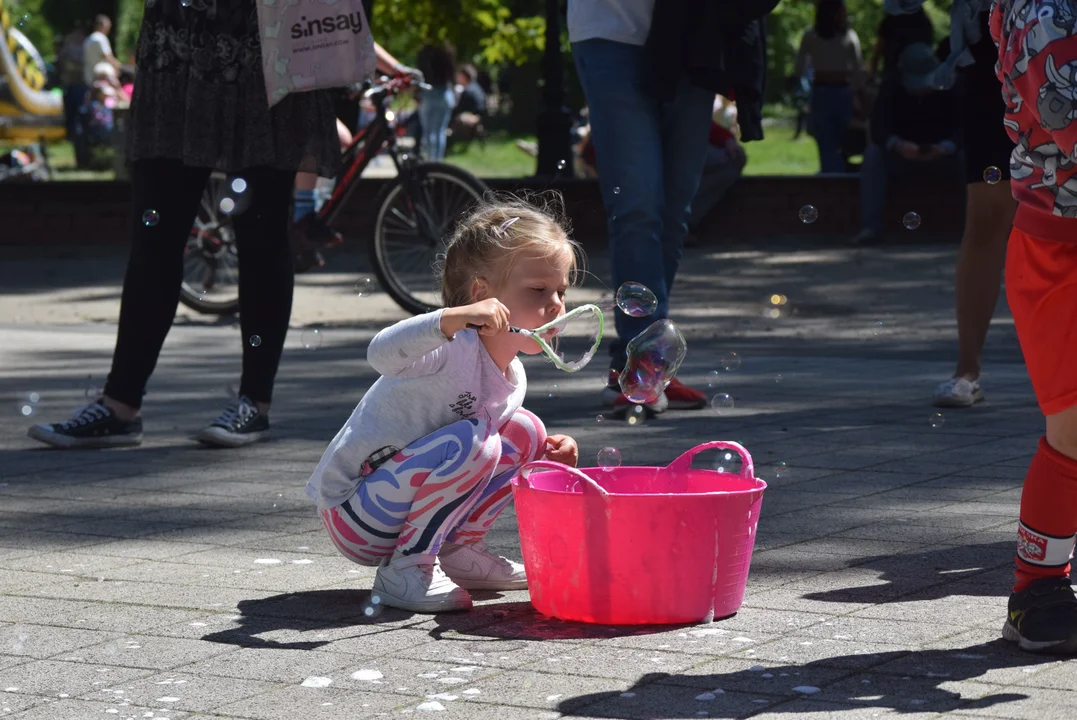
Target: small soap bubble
(256, 340)
(781, 470)
(150, 218)
(730, 362)
(609, 458)
(808, 214)
(636, 299)
(877, 328)
(713, 379)
(185, 3)
(561, 164)
(34, 397)
(311, 338)
(992, 175)
(600, 419)
(26, 409)
(617, 191)
(936, 420)
(93, 393)
(228, 205)
(239, 185)
(911, 221)
(553, 393)
(778, 378)
(722, 403)
(636, 415)
(364, 286)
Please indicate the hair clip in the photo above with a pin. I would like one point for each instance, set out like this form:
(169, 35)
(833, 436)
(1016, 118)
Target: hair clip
(500, 229)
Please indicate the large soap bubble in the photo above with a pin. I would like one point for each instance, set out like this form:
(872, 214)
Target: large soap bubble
(654, 357)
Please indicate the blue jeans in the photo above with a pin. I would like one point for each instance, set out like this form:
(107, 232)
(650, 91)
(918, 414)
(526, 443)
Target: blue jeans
(435, 111)
(650, 157)
(831, 113)
(881, 166)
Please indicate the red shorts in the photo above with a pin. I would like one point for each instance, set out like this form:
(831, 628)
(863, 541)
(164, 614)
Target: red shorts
(1041, 288)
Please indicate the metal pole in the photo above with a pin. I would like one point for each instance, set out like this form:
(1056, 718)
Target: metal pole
(554, 121)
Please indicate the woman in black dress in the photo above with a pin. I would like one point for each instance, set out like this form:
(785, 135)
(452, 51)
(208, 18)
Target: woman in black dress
(200, 105)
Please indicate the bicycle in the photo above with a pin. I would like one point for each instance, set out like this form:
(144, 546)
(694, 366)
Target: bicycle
(416, 213)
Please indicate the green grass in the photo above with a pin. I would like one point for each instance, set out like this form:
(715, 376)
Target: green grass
(62, 159)
(779, 154)
(498, 157)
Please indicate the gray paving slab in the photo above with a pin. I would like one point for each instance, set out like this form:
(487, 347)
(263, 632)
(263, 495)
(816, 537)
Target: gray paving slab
(130, 581)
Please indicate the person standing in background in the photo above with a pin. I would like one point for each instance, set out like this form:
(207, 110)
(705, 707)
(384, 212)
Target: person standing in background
(832, 50)
(73, 85)
(437, 63)
(989, 205)
(194, 112)
(97, 49)
(650, 71)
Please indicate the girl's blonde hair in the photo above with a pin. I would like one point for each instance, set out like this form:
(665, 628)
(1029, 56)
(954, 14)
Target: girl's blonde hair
(491, 236)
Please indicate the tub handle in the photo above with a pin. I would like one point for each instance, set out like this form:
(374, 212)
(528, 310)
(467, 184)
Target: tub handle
(589, 485)
(747, 469)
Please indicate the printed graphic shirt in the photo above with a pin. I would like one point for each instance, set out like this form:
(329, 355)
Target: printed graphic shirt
(1037, 65)
(426, 383)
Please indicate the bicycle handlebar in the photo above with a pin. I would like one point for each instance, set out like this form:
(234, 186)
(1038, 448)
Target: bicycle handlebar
(396, 85)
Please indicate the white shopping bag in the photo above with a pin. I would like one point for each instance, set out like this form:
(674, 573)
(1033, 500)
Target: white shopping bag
(313, 44)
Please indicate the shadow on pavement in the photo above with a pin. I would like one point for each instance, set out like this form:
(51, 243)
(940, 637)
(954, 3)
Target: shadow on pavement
(305, 612)
(976, 570)
(520, 621)
(911, 682)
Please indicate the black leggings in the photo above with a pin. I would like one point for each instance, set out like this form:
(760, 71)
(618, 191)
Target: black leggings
(151, 286)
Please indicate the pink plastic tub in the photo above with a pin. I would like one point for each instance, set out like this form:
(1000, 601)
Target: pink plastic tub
(638, 545)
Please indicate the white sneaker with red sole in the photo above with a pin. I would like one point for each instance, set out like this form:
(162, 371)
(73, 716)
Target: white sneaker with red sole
(677, 396)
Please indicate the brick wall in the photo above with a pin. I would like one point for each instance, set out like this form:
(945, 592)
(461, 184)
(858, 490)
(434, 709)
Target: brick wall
(98, 213)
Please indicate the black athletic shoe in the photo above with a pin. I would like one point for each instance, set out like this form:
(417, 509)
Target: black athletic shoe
(240, 424)
(1043, 617)
(93, 426)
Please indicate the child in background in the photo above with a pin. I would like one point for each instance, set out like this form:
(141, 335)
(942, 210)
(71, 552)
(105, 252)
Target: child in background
(1037, 42)
(416, 477)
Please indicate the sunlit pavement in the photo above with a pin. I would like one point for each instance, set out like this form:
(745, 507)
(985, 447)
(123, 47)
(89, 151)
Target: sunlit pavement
(171, 581)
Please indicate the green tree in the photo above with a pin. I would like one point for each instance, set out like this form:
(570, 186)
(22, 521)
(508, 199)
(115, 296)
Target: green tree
(492, 32)
(128, 23)
(27, 17)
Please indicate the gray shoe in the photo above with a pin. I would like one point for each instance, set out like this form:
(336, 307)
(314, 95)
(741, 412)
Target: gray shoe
(957, 392)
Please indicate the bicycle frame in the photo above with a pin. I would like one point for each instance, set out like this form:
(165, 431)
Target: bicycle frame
(379, 135)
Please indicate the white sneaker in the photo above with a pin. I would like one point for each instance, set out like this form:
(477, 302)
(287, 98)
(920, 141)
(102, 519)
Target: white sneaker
(417, 583)
(957, 392)
(473, 567)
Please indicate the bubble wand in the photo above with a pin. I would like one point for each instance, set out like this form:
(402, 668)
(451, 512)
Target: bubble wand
(586, 320)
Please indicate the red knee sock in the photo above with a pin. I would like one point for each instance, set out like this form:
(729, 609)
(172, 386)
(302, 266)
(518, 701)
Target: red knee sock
(1045, 535)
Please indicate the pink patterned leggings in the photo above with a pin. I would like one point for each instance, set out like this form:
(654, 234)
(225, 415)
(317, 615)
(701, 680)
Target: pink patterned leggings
(449, 486)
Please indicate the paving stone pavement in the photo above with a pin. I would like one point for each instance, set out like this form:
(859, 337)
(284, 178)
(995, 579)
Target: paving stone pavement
(172, 581)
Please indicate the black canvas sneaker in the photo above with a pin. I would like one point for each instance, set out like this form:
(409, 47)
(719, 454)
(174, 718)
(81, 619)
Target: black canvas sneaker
(240, 424)
(92, 426)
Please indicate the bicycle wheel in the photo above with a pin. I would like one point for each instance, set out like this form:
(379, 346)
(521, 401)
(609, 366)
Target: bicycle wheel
(412, 228)
(210, 264)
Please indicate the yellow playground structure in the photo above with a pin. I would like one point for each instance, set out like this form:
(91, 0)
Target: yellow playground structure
(28, 112)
